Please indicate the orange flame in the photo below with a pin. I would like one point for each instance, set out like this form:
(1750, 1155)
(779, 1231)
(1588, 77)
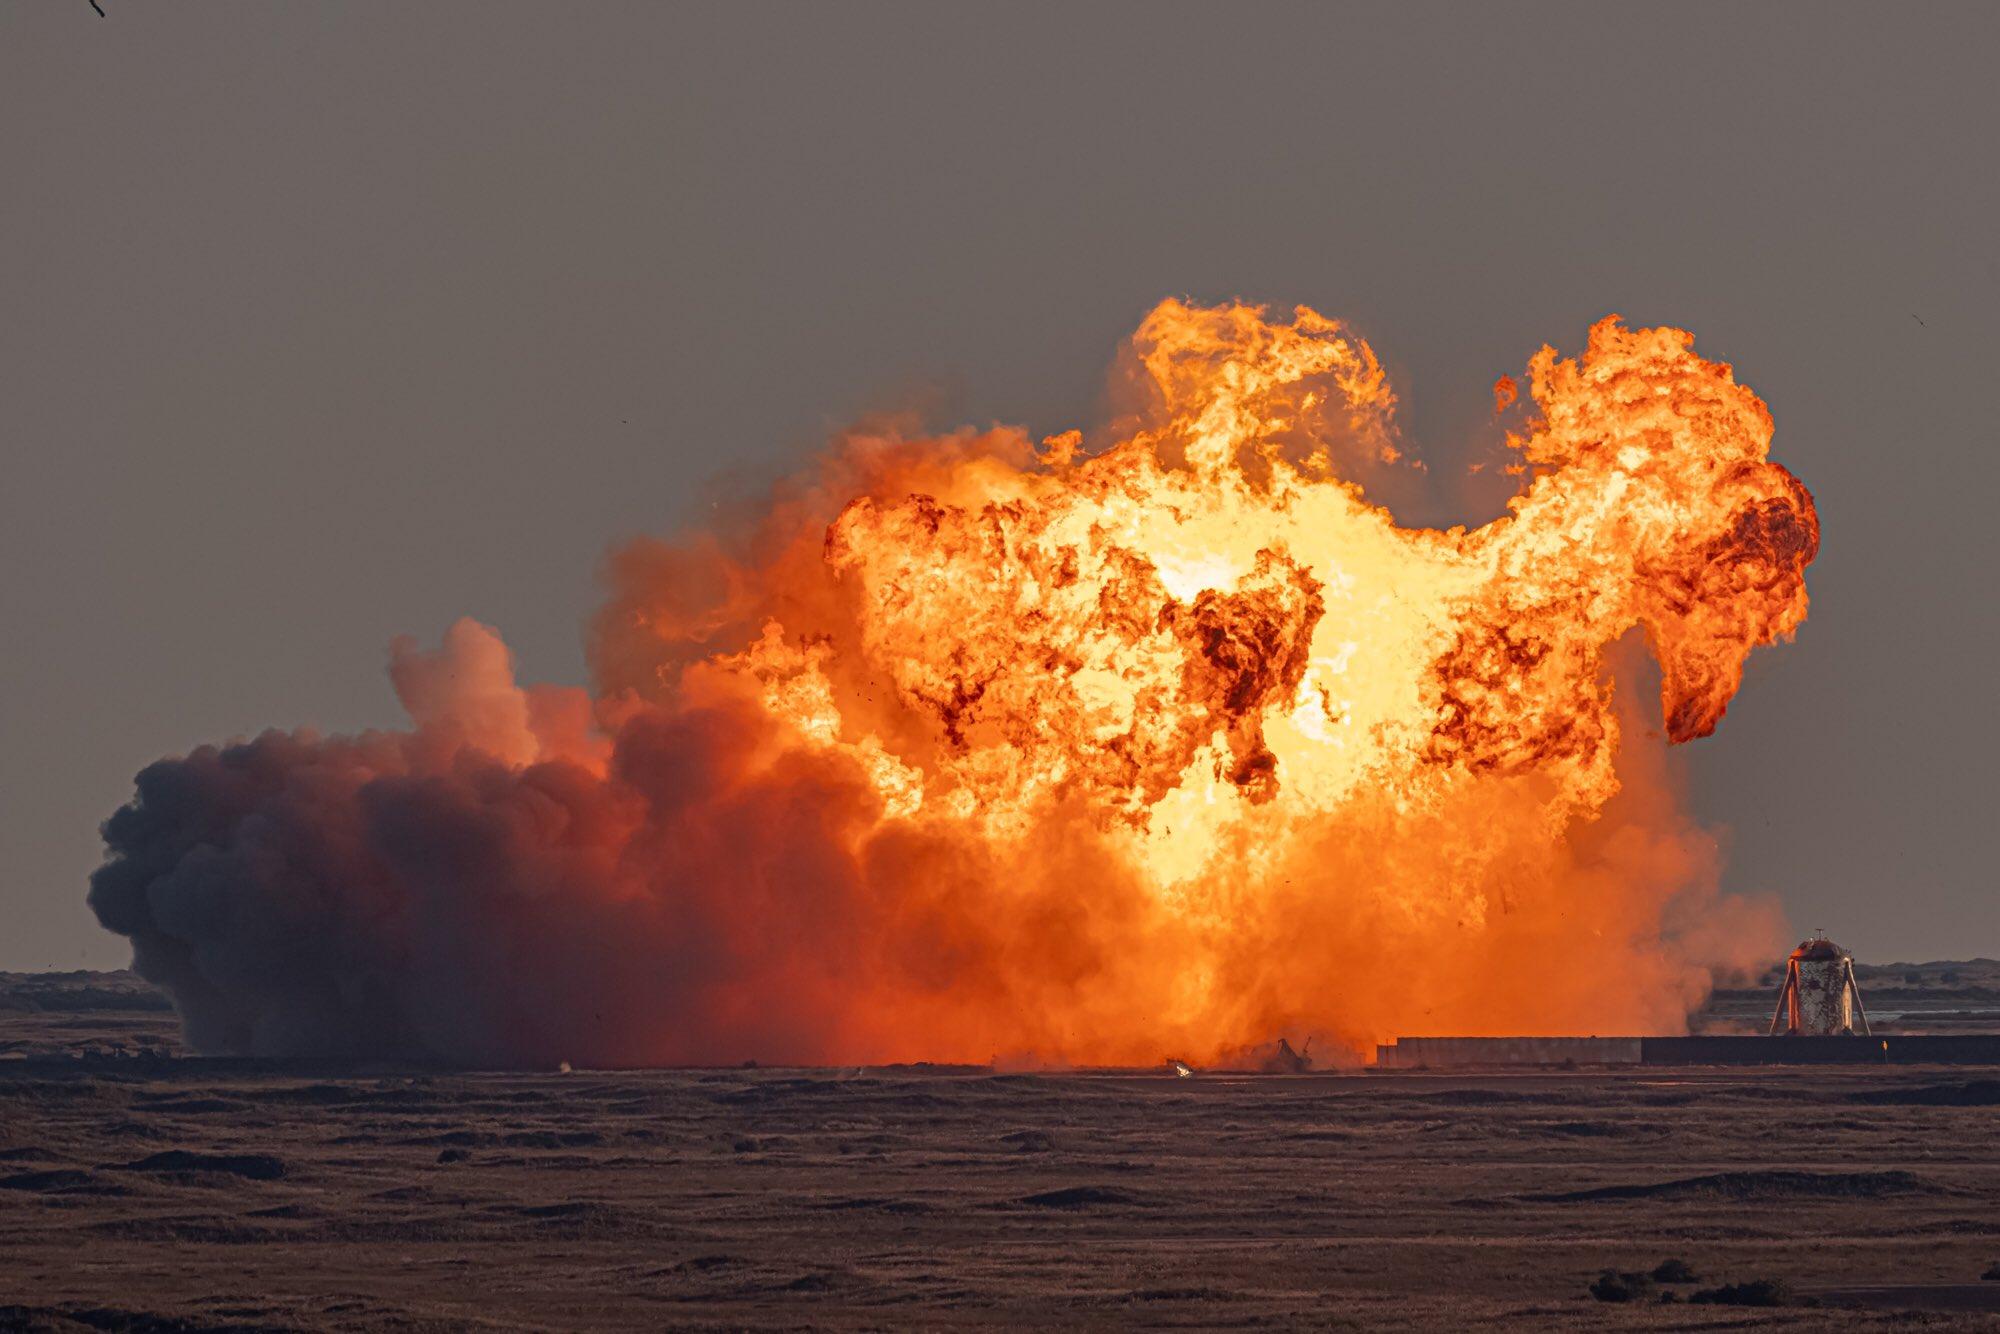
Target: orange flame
(1182, 743)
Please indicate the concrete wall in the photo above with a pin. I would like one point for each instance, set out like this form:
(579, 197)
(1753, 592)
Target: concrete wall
(1914, 1049)
(1911, 1049)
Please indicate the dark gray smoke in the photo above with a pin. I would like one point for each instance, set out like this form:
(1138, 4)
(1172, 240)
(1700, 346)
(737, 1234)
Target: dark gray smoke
(415, 895)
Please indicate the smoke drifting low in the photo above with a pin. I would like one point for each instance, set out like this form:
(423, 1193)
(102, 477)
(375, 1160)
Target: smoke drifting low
(972, 747)
(497, 885)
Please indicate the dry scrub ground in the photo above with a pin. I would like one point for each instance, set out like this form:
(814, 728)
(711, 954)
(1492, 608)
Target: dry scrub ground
(160, 1193)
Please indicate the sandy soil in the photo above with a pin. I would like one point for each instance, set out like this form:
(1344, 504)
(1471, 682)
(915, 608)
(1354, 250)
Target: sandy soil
(160, 1193)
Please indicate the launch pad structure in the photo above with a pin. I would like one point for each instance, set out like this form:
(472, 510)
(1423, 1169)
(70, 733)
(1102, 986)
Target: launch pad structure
(1819, 1020)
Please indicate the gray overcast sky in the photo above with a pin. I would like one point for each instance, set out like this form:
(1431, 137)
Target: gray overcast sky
(322, 323)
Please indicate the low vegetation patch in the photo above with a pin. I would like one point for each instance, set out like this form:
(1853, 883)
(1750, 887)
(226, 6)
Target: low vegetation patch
(1971, 1093)
(1079, 1197)
(251, 1166)
(1757, 1292)
(54, 1179)
(1755, 1186)
(1614, 1286)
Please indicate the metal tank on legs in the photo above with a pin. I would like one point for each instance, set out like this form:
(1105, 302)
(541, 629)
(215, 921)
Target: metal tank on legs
(1820, 997)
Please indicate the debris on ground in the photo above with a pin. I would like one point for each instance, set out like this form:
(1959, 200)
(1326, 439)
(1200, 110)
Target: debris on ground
(1284, 1060)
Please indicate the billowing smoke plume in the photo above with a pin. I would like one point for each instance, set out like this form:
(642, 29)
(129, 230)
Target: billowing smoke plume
(970, 747)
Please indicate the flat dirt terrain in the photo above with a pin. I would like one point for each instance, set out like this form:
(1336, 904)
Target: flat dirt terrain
(156, 1192)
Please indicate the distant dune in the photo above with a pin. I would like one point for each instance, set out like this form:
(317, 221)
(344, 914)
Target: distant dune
(82, 1013)
(80, 989)
(1942, 996)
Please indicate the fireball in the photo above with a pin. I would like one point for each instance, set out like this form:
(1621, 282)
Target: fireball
(1083, 750)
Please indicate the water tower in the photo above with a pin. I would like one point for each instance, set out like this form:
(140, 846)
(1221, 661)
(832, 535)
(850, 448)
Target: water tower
(1819, 998)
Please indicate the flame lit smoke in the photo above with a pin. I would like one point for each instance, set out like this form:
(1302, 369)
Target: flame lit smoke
(978, 748)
